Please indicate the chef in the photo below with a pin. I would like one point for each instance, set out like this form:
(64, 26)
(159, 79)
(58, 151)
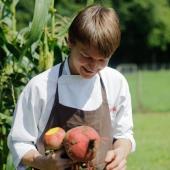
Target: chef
(82, 90)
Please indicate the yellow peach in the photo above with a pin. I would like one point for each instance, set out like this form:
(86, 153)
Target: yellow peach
(53, 138)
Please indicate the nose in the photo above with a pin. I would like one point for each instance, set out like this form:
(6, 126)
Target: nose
(93, 65)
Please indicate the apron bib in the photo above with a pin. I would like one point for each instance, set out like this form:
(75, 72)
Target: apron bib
(68, 117)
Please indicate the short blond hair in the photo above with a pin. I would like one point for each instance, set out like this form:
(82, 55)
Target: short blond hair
(98, 26)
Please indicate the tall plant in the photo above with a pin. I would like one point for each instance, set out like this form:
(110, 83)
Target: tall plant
(20, 53)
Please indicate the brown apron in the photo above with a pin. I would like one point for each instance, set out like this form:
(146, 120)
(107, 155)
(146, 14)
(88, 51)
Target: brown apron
(68, 117)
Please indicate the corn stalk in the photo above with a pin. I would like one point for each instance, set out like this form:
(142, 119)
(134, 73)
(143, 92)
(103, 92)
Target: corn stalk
(46, 57)
(13, 11)
(51, 52)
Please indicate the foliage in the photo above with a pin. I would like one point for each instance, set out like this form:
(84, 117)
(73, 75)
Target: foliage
(145, 31)
(24, 13)
(71, 8)
(150, 17)
(24, 54)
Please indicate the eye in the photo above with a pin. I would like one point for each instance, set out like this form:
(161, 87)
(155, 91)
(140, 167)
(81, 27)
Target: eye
(101, 60)
(84, 55)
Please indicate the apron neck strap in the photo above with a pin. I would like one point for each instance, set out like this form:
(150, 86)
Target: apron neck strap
(61, 69)
(101, 81)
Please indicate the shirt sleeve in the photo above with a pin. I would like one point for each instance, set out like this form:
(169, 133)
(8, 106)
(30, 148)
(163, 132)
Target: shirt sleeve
(123, 122)
(24, 131)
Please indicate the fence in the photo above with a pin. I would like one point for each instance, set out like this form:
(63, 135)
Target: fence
(149, 86)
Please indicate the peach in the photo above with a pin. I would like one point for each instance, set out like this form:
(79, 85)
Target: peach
(81, 143)
(53, 138)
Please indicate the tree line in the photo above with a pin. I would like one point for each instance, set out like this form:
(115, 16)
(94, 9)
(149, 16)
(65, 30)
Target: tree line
(145, 27)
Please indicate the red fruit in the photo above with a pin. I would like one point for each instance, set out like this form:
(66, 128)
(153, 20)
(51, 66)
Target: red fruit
(81, 143)
(53, 138)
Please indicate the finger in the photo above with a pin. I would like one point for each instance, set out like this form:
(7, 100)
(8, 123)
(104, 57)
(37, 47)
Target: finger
(124, 168)
(109, 156)
(115, 165)
(60, 154)
(122, 165)
(61, 161)
(64, 165)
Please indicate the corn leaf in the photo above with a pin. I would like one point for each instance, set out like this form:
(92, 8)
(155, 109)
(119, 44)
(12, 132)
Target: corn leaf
(15, 2)
(9, 162)
(39, 20)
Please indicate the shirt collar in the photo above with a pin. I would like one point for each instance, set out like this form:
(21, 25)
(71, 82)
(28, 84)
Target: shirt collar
(66, 70)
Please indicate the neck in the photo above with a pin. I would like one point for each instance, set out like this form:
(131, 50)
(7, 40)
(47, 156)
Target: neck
(71, 68)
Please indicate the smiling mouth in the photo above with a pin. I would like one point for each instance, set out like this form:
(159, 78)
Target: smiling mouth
(89, 71)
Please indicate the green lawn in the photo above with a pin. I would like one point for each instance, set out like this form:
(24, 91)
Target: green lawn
(150, 90)
(152, 134)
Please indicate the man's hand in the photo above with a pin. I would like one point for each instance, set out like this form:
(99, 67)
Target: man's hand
(115, 160)
(53, 161)
(56, 161)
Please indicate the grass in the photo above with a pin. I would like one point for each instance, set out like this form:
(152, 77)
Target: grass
(150, 90)
(153, 142)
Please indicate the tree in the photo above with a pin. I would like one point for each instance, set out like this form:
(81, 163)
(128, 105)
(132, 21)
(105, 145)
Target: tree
(145, 29)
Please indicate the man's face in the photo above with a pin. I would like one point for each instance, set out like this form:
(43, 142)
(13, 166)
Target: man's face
(86, 61)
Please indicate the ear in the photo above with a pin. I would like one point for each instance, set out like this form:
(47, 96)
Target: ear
(69, 43)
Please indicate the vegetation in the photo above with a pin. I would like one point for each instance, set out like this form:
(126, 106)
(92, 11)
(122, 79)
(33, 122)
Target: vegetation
(25, 53)
(145, 31)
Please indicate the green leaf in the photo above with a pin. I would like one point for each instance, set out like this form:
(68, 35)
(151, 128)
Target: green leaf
(2, 37)
(39, 20)
(57, 54)
(90, 2)
(2, 57)
(13, 49)
(9, 162)
(15, 2)
(5, 118)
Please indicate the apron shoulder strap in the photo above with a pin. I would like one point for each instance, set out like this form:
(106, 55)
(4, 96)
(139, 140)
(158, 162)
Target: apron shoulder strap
(101, 81)
(61, 69)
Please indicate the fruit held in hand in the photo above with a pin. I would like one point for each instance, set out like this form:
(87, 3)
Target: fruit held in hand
(53, 138)
(81, 143)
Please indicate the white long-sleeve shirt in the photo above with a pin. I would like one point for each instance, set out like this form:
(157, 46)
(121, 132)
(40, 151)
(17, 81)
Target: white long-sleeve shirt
(35, 103)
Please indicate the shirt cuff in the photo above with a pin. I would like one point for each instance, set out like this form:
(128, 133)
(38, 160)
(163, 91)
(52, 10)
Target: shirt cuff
(18, 150)
(131, 138)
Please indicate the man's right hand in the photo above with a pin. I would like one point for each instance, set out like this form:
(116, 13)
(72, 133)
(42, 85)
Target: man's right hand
(52, 161)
